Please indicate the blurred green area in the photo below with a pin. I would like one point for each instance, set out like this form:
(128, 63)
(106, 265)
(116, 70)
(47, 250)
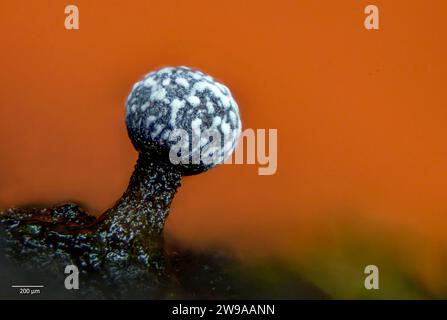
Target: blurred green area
(329, 262)
(409, 267)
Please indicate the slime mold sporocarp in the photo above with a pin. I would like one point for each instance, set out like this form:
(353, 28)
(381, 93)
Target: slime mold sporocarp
(123, 253)
(124, 248)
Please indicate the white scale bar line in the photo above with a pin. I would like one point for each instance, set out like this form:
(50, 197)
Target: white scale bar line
(27, 286)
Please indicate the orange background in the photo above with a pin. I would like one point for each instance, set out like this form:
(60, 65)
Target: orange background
(361, 115)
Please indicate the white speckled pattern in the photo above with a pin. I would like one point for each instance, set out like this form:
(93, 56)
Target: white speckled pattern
(181, 98)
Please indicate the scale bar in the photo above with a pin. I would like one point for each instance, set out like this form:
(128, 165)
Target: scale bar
(27, 286)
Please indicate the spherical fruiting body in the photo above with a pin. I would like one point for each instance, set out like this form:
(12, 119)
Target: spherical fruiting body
(185, 115)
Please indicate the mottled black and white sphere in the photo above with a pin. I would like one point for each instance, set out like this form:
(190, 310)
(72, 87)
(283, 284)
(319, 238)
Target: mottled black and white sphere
(181, 100)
